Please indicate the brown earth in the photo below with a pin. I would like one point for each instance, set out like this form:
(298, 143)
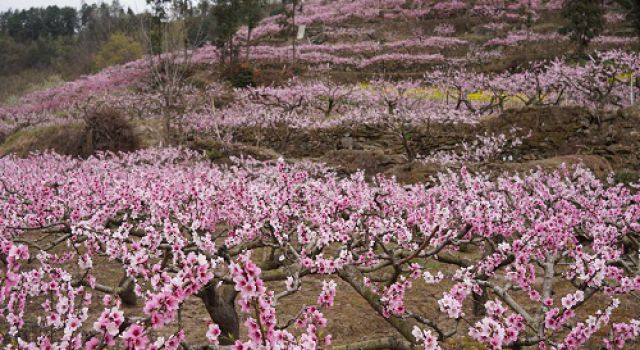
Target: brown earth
(556, 135)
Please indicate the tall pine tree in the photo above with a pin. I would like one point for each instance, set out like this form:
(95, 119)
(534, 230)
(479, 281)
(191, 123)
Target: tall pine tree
(585, 21)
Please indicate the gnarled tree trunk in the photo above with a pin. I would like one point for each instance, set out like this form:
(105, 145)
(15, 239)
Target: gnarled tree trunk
(220, 304)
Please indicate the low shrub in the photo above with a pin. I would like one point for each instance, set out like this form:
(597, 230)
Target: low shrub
(107, 129)
(241, 75)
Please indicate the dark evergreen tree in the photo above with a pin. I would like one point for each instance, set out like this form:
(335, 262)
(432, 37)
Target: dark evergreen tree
(584, 21)
(632, 7)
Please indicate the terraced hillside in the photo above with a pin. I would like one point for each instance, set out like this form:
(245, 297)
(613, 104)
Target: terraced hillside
(406, 174)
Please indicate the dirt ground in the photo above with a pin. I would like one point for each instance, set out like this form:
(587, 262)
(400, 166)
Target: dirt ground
(556, 135)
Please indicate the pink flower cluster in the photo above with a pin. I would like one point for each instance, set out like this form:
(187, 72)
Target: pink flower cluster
(66, 95)
(515, 38)
(317, 12)
(484, 148)
(179, 226)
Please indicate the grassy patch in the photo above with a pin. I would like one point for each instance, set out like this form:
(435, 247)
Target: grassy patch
(61, 138)
(19, 85)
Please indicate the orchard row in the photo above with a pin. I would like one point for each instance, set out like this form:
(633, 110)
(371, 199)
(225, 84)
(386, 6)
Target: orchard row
(546, 259)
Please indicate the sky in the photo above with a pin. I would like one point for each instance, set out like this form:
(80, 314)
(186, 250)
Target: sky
(136, 5)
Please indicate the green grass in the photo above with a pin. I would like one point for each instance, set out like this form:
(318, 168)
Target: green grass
(23, 87)
(27, 140)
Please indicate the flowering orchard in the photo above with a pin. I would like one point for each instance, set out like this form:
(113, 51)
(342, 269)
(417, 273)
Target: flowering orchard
(544, 259)
(342, 11)
(349, 47)
(457, 95)
(122, 250)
